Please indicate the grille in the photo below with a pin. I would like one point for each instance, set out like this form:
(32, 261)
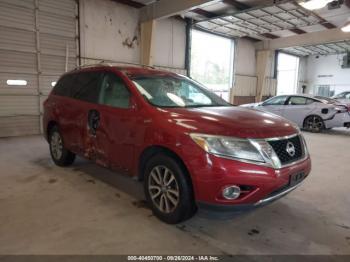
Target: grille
(280, 147)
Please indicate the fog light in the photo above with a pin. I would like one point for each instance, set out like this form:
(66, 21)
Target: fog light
(231, 192)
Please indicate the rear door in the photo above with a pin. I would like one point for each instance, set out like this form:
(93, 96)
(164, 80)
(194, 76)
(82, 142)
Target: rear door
(298, 108)
(85, 94)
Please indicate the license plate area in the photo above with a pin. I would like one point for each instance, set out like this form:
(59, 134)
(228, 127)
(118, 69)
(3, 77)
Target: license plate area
(296, 178)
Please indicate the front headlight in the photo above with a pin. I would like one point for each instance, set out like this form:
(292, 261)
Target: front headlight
(246, 150)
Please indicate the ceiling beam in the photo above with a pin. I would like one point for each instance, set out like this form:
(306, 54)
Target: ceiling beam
(167, 8)
(309, 39)
(130, 3)
(297, 31)
(236, 4)
(271, 36)
(204, 13)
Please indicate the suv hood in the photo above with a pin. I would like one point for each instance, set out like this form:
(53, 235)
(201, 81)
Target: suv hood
(229, 121)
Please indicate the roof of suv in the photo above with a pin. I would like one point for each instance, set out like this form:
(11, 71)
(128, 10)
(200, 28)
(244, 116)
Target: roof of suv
(131, 71)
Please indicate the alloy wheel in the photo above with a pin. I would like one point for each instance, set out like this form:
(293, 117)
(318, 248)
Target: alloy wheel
(56, 145)
(314, 123)
(163, 189)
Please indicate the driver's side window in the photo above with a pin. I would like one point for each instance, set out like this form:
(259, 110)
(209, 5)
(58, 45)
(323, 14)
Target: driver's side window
(114, 92)
(278, 100)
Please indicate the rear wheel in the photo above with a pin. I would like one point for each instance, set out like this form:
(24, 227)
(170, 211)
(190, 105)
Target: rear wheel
(60, 155)
(168, 189)
(314, 124)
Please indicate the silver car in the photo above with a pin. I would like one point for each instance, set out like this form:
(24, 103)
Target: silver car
(308, 112)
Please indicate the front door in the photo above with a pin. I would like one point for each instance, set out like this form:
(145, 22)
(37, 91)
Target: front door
(298, 108)
(274, 105)
(111, 124)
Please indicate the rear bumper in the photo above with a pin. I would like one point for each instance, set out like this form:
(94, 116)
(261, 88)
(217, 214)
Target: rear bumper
(339, 120)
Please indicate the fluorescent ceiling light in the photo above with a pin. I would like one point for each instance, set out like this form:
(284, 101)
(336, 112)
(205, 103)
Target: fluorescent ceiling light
(12, 82)
(346, 27)
(314, 4)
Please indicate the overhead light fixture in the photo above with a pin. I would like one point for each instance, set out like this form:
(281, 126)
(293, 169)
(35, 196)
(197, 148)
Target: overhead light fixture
(346, 28)
(15, 82)
(314, 4)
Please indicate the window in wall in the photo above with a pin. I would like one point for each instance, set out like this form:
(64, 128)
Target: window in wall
(287, 74)
(212, 62)
(324, 90)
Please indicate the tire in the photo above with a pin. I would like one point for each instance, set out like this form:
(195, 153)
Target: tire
(168, 189)
(314, 124)
(60, 155)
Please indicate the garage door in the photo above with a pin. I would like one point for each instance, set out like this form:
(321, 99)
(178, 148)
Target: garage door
(39, 41)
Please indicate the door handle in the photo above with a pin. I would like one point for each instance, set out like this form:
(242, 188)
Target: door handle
(93, 121)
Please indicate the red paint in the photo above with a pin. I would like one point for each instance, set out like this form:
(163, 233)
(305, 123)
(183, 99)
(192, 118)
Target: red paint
(124, 134)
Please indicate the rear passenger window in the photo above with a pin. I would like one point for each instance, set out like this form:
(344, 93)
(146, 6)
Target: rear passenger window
(87, 86)
(64, 85)
(114, 92)
(310, 101)
(297, 100)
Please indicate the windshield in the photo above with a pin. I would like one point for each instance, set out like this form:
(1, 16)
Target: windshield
(168, 91)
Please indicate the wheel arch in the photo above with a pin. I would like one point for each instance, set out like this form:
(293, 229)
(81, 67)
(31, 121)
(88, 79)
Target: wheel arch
(51, 124)
(311, 116)
(153, 150)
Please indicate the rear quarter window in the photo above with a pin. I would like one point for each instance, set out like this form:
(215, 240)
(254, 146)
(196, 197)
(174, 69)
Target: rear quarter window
(83, 86)
(87, 86)
(64, 85)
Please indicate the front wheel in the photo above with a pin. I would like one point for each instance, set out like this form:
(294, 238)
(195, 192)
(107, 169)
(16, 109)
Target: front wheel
(60, 155)
(168, 189)
(314, 124)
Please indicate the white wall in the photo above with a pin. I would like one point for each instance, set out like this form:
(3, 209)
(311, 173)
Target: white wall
(326, 70)
(107, 31)
(302, 76)
(170, 43)
(245, 58)
(111, 31)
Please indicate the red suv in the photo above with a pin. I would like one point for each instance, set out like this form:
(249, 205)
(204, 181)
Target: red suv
(188, 146)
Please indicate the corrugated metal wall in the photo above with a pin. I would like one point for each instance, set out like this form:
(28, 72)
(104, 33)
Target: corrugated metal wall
(244, 90)
(39, 41)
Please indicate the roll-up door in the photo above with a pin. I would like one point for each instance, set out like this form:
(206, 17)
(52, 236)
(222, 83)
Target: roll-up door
(38, 42)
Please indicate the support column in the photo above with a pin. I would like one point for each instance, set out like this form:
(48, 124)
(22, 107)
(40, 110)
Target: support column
(264, 65)
(147, 42)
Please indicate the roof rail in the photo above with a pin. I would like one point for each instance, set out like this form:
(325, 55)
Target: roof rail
(112, 63)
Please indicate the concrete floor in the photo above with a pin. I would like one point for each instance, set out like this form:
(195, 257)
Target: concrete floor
(86, 209)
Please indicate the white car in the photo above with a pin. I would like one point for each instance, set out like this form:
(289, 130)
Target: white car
(308, 112)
